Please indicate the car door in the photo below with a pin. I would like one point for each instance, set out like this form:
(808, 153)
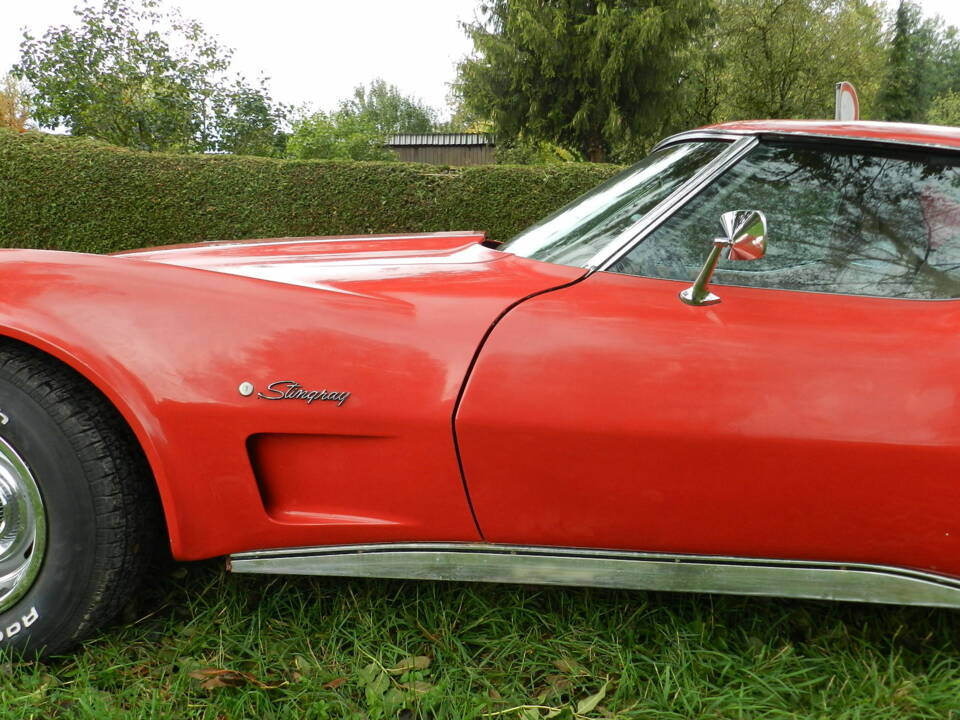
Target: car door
(811, 414)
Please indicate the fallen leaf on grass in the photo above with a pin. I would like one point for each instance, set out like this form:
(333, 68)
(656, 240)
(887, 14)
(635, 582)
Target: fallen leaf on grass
(568, 666)
(140, 671)
(302, 665)
(556, 686)
(589, 703)
(212, 678)
(334, 684)
(419, 662)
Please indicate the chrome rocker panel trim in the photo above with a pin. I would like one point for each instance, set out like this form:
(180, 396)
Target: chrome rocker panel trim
(474, 562)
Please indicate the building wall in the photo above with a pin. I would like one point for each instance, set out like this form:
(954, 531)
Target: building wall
(446, 154)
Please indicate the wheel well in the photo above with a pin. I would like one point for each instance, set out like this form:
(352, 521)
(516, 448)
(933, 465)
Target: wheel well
(120, 423)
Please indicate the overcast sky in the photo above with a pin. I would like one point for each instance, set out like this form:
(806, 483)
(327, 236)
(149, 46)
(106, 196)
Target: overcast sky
(313, 51)
(317, 51)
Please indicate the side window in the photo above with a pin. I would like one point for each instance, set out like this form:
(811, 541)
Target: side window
(839, 221)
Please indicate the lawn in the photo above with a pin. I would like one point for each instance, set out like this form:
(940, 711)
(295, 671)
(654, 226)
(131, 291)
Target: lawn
(202, 643)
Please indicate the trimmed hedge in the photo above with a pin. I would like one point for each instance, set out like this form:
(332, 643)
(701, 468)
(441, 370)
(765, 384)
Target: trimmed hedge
(79, 194)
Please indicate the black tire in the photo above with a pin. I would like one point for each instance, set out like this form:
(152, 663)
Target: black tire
(99, 505)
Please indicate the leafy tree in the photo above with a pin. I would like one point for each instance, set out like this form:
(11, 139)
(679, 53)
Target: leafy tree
(581, 73)
(945, 71)
(362, 126)
(133, 76)
(535, 152)
(776, 59)
(782, 58)
(14, 113)
(248, 123)
(385, 108)
(464, 119)
(945, 110)
(337, 136)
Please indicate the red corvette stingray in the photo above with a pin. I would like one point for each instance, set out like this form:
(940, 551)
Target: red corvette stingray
(732, 368)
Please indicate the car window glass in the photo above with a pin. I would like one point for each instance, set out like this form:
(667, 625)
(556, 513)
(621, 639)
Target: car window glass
(578, 231)
(883, 223)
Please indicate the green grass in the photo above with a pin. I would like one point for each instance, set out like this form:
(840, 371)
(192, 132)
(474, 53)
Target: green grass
(324, 648)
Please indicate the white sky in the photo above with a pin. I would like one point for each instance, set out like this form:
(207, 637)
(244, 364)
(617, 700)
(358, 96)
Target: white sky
(313, 51)
(316, 51)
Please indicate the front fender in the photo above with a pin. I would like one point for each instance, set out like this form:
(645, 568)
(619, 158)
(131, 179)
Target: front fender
(118, 326)
(170, 345)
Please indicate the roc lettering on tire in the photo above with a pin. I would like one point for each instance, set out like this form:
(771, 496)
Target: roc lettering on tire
(15, 627)
(93, 482)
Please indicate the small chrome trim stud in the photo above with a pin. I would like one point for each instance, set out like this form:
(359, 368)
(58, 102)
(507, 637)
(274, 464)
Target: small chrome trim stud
(246, 389)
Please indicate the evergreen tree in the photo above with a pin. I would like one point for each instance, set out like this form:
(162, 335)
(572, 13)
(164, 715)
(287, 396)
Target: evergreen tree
(923, 62)
(906, 67)
(587, 74)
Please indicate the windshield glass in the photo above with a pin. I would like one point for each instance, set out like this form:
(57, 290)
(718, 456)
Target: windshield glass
(578, 231)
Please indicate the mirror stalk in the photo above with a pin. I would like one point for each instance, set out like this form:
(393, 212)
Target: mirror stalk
(746, 239)
(698, 293)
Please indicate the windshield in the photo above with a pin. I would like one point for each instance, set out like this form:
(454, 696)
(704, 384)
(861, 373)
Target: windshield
(578, 231)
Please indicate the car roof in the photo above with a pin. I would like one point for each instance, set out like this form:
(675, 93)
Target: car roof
(908, 133)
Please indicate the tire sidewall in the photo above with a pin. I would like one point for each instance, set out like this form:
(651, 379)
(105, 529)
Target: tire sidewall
(51, 613)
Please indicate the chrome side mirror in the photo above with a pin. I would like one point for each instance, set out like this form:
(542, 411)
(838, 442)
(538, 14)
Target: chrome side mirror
(746, 239)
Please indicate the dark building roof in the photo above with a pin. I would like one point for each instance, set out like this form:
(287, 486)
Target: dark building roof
(446, 139)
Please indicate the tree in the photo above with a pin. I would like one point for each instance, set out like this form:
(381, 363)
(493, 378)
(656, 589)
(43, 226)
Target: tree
(361, 127)
(385, 108)
(945, 110)
(138, 78)
(904, 87)
(14, 112)
(337, 136)
(580, 73)
(782, 58)
(923, 62)
(248, 123)
(539, 152)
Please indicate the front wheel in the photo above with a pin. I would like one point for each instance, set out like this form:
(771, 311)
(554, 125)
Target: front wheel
(77, 505)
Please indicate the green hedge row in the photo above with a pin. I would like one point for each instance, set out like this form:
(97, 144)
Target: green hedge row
(77, 194)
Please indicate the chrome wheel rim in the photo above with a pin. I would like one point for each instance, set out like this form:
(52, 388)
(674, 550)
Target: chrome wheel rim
(23, 527)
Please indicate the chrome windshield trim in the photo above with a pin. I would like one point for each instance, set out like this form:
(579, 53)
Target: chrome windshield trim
(701, 134)
(626, 240)
(478, 562)
(768, 134)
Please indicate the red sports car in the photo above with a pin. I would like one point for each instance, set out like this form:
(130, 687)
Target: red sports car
(615, 397)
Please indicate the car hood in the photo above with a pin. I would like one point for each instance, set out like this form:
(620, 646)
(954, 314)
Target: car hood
(399, 270)
(356, 264)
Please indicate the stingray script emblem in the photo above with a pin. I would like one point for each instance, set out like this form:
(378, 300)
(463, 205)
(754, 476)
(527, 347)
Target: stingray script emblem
(292, 390)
